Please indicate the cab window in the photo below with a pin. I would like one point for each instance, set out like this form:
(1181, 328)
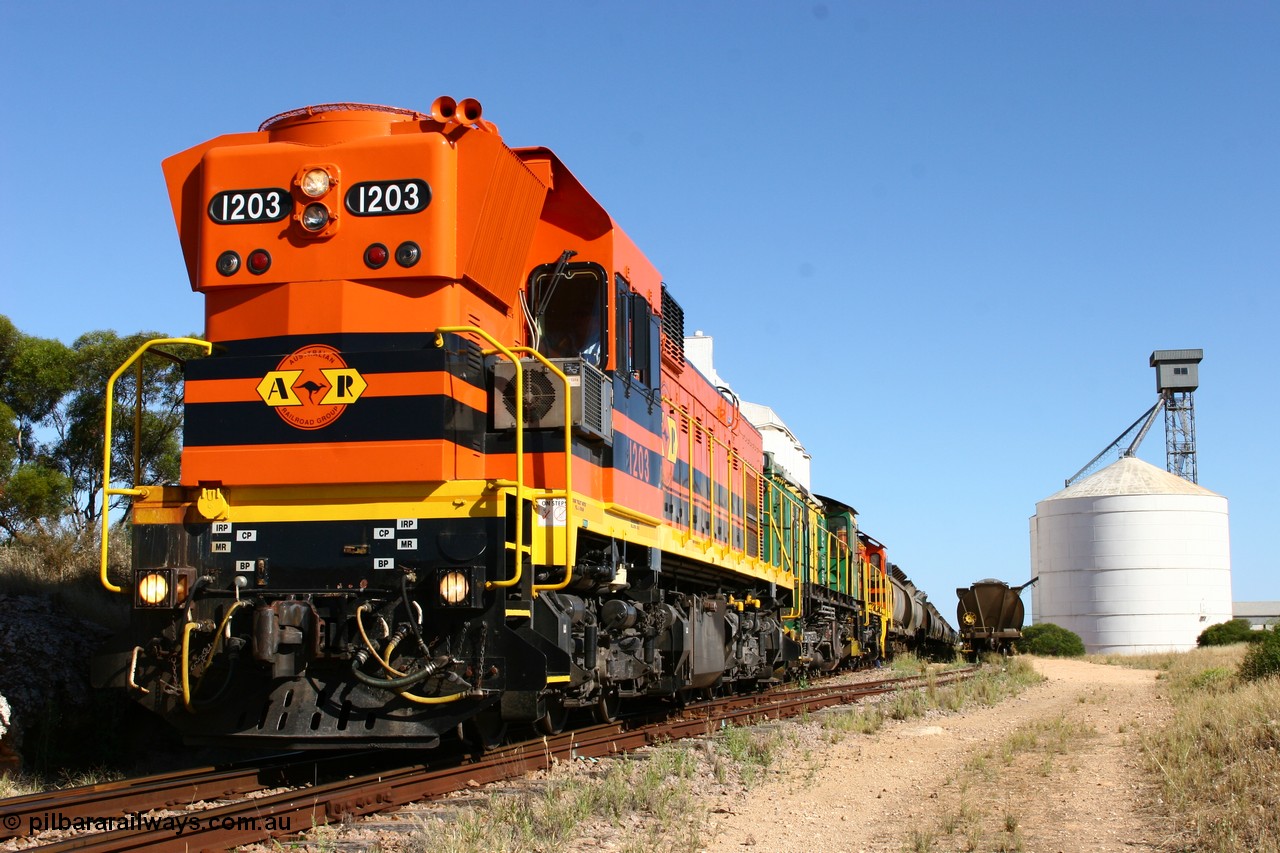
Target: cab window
(569, 310)
(636, 328)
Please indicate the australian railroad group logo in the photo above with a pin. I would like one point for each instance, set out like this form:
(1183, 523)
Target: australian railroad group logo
(311, 387)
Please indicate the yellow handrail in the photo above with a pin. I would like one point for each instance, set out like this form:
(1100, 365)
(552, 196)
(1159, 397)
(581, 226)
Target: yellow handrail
(786, 559)
(519, 377)
(107, 491)
(570, 534)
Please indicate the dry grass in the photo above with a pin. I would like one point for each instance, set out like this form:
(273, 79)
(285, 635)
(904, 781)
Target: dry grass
(651, 801)
(21, 784)
(997, 681)
(979, 822)
(1217, 760)
(63, 566)
(643, 803)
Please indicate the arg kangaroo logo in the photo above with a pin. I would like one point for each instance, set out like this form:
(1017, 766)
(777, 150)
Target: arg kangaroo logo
(311, 387)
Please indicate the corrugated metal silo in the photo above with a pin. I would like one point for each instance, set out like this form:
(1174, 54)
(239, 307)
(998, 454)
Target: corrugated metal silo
(1133, 559)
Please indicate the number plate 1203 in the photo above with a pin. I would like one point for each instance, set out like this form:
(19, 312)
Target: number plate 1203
(388, 198)
(236, 207)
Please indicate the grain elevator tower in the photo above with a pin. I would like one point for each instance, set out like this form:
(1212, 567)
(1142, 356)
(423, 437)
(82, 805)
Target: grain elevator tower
(1177, 375)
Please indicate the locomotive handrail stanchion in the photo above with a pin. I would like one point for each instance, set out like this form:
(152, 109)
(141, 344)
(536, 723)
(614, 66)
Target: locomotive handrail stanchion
(688, 419)
(107, 490)
(726, 549)
(786, 558)
(693, 425)
(137, 422)
(742, 466)
(709, 544)
(570, 533)
(519, 546)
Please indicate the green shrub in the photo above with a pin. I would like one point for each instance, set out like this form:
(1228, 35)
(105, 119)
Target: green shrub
(1226, 633)
(1263, 657)
(1049, 639)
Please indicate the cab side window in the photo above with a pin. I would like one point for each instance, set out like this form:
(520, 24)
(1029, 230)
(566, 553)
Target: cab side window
(570, 311)
(637, 334)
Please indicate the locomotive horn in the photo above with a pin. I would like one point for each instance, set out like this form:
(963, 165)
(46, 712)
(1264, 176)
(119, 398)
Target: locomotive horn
(469, 111)
(443, 109)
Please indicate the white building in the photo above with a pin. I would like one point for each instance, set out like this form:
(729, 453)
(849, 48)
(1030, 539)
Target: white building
(1133, 559)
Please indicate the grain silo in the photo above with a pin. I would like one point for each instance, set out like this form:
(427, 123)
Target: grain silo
(1133, 559)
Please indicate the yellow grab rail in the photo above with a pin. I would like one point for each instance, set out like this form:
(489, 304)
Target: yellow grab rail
(519, 377)
(107, 490)
(570, 534)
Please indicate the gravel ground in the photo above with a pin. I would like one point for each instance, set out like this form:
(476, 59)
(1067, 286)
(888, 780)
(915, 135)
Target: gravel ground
(945, 782)
(902, 786)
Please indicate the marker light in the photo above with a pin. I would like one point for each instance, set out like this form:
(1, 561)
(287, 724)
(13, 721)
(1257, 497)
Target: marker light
(315, 217)
(454, 588)
(259, 261)
(376, 255)
(315, 183)
(408, 253)
(153, 588)
(228, 263)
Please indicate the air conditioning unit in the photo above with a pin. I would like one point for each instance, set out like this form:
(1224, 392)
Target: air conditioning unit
(590, 404)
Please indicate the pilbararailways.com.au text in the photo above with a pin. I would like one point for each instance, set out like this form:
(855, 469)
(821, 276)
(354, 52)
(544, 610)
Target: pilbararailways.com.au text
(177, 824)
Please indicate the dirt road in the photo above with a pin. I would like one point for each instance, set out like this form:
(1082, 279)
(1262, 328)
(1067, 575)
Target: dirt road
(1069, 780)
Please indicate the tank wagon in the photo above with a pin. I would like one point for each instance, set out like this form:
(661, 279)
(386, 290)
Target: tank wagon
(990, 614)
(445, 465)
(917, 624)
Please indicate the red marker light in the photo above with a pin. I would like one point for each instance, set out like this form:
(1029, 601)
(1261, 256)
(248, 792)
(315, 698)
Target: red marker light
(376, 255)
(258, 262)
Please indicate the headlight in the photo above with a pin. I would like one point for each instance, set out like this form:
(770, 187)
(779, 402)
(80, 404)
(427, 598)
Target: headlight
(315, 217)
(454, 588)
(153, 588)
(315, 183)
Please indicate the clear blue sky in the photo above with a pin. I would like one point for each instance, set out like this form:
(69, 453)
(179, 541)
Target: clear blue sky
(940, 239)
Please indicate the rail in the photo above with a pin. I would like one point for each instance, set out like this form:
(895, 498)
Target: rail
(338, 797)
(107, 490)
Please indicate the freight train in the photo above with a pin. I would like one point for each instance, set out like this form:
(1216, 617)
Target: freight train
(446, 465)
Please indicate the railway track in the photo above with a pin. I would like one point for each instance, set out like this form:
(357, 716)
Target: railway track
(129, 815)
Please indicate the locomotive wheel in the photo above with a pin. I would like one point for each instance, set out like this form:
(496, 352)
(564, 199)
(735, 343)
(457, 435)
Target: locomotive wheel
(606, 708)
(484, 731)
(554, 720)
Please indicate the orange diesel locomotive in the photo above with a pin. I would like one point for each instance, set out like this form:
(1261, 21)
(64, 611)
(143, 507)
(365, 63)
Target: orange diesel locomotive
(446, 463)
